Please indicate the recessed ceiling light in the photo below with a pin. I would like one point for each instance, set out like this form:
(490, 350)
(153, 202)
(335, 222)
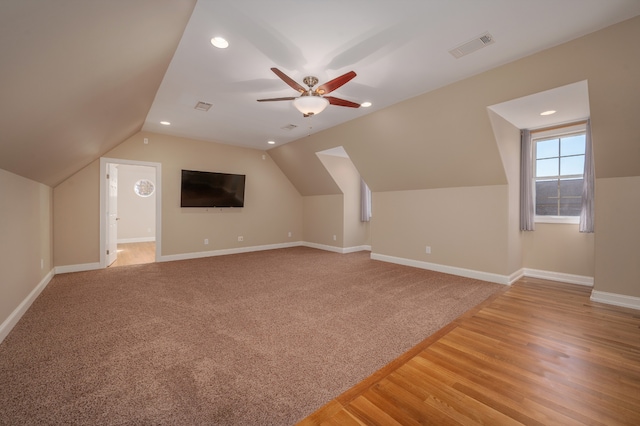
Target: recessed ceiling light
(165, 123)
(271, 143)
(220, 42)
(365, 104)
(548, 112)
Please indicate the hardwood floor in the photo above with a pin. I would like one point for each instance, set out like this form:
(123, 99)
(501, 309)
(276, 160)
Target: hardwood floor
(135, 254)
(537, 353)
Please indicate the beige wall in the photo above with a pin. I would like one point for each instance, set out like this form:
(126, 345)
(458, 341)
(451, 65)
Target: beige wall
(25, 239)
(137, 214)
(76, 214)
(273, 207)
(617, 259)
(323, 218)
(306, 171)
(465, 227)
(508, 141)
(356, 233)
(557, 247)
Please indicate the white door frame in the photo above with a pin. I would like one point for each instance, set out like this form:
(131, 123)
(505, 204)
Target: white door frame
(111, 208)
(103, 204)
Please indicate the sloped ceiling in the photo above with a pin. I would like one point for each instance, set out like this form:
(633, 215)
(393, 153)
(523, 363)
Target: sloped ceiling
(78, 77)
(399, 49)
(444, 138)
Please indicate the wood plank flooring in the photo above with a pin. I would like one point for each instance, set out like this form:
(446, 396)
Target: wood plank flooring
(536, 353)
(135, 254)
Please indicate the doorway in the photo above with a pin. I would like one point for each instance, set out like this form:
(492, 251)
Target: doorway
(130, 214)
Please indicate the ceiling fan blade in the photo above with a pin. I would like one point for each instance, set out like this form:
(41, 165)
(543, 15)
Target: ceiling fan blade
(291, 82)
(332, 85)
(341, 102)
(276, 99)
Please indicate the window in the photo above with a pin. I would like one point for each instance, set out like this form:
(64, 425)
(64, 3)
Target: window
(144, 188)
(558, 174)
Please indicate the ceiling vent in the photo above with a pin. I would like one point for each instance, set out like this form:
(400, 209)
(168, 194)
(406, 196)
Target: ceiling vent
(473, 45)
(289, 127)
(203, 106)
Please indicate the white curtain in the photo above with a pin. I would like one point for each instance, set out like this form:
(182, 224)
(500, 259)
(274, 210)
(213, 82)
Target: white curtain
(365, 202)
(588, 185)
(527, 202)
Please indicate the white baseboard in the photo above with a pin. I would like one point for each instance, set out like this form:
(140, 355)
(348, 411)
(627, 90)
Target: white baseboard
(516, 276)
(559, 276)
(12, 320)
(77, 268)
(468, 273)
(324, 247)
(196, 255)
(136, 240)
(616, 299)
(341, 250)
(487, 276)
(596, 296)
(356, 249)
(222, 252)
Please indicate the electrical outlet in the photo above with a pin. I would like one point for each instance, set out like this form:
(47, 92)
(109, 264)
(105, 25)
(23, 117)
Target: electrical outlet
(240, 238)
(206, 241)
(289, 234)
(334, 238)
(428, 250)
(41, 263)
(146, 141)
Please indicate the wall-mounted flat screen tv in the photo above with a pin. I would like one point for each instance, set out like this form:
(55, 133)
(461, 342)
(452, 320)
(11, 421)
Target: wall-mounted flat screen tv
(210, 189)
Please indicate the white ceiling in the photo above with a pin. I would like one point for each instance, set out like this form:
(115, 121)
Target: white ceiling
(399, 49)
(571, 103)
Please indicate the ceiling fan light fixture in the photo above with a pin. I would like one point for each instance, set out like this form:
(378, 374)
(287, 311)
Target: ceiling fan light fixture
(310, 105)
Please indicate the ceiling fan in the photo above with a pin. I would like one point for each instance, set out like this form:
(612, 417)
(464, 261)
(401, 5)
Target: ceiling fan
(310, 101)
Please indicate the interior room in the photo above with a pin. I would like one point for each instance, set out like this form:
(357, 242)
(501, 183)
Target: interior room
(409, 161)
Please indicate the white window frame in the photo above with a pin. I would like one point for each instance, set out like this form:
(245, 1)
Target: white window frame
(548, 134)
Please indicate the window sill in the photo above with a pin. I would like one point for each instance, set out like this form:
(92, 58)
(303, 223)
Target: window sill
(558, 219)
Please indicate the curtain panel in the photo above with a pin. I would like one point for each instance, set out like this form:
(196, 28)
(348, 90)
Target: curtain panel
(527, 202)
(365, 202)
(588, 186)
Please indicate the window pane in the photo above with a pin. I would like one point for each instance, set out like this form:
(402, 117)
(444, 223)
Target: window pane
(571, 165)
(570, 206)
(547, 198)
(572, 145)
(546, 168)
(548, 148)
(571, 188)
(570, 197)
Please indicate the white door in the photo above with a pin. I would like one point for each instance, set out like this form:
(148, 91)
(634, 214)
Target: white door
(112, 213)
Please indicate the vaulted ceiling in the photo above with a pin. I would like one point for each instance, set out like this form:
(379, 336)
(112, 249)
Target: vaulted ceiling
(80, 76)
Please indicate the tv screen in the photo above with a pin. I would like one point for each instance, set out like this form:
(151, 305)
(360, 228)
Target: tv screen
(209, 189)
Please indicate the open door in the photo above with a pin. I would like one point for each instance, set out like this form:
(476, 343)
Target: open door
(112, 213)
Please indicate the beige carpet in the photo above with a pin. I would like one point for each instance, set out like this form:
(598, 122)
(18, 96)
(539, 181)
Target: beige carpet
(257, 338)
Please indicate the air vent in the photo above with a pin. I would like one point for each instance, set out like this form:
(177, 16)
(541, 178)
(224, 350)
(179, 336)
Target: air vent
(289, 127)
(473, 45)
(203, 106)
